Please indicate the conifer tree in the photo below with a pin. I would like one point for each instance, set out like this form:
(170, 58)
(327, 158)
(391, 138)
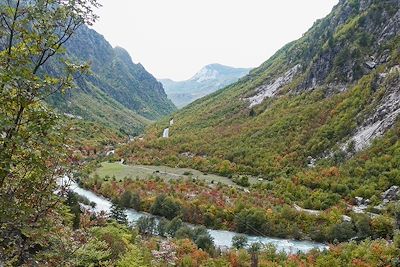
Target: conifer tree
(117, 213)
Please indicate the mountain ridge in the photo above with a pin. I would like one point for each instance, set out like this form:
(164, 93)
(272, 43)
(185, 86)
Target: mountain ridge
(207, 80)
(117, 92)
(318, 96)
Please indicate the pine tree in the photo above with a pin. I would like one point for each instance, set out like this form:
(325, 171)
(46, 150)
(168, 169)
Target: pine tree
(118, 213)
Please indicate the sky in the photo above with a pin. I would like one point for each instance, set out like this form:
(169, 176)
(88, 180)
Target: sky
(176, 38)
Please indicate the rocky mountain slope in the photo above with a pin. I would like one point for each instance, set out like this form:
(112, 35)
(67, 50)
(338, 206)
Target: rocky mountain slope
(117, 92)
(208, 80)
(319, 102)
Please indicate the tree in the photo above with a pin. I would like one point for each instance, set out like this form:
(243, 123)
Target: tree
(130, 200)
(118, 213)
(166, 207)
(362, 223)
(133, 258)
(239, 241)
(341, 232)
(32, 141)
(382, 226)
(184, 232)
(162, 227)
(396, 239)
(72, 202)
(397, 215)
(254, 250)
(173, 226)
(242, 181)
(251, 221)
(205, 242)
(95, 252)
(146, 225)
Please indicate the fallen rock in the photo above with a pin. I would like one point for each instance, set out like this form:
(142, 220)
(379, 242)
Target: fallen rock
(312, 212)
(188, 154)
(392, 194)
(361, 201)
(371, 64)
(311, 162)
(346, 218)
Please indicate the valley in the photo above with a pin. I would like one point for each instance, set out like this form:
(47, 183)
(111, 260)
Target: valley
(121, 171)
(208, 80)
(221, 239)
(293, 163)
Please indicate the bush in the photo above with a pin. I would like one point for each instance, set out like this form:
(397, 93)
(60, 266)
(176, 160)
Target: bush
(205, 242)
(242, 181)
(146, 225)
(166, 207)
(239, 241)
(341, 232)
(130, 200)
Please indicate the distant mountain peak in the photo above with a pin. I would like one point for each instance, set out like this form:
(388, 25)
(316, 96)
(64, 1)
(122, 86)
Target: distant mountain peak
(206, 81)
(215, 71)
(205, 74)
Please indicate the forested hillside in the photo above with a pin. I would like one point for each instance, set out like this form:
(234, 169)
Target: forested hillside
(306, 148)
(319, 117)
(116, 92)
(322, 97)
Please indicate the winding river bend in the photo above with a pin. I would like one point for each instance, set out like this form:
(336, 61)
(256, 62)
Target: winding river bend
(221, 238)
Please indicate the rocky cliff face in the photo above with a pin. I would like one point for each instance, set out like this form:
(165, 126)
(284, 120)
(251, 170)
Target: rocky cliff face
(384, 115)
(344, 46)
(357, 39)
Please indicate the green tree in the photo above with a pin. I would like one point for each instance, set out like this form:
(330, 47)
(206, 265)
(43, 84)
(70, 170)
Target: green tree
(32, 142)
(162, 227)
(130, 200)
(396, 239)
(205, 242)
(72, 202)
(397, 215)
(133, 258)
(362, 223)
(94, 253)
(239, 241)
(146, 225)
(254, 250)
(173, 226)
(166, 207)
(341, 232)
(382, 226)
(251, 221)
(184, 232)
(118, 213)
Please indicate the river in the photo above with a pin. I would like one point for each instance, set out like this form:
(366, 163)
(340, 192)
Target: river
(221, 238)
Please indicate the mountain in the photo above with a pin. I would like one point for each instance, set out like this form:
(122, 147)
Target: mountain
(117, 92)
(208, 80)
(321, 114)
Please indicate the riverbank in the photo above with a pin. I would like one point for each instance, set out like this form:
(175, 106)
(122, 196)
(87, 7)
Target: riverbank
(221, 238)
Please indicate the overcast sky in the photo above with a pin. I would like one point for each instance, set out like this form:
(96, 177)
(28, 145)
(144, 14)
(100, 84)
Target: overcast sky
(175, 38)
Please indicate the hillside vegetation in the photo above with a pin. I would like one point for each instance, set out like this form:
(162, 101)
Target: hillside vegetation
(303, 116)
(116, 92)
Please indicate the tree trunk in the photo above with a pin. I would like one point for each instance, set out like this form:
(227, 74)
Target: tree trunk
(254, 260)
